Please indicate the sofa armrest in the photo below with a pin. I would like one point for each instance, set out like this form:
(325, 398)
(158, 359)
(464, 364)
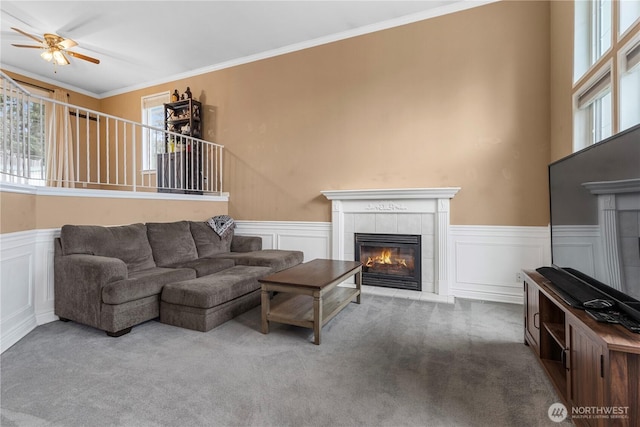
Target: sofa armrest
(78, 282)
(246, 243)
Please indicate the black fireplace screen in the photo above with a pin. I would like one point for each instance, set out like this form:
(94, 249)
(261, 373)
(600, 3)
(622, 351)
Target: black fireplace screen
(390, 260)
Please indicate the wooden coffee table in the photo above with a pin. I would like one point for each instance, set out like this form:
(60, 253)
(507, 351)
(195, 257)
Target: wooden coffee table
(308, 294)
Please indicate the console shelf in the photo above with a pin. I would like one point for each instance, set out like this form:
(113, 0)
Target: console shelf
(590, 364)
(556, 330)
(556, 372)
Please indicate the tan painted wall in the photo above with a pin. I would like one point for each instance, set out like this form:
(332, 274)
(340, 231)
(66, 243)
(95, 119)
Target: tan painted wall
(20, 212)
(561, 109)
(56, 211)
(17, 212)
(459, 100)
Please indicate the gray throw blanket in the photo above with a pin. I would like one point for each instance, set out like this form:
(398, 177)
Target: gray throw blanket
(221, 224)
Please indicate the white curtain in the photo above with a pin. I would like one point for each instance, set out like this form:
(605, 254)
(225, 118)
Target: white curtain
(60, 169)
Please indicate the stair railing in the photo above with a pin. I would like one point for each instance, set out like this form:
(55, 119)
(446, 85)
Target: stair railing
(103, 151)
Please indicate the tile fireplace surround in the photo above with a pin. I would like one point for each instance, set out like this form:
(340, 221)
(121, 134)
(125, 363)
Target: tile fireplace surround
(422, 211)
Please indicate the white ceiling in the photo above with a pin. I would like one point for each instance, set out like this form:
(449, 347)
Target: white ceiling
(140, 43)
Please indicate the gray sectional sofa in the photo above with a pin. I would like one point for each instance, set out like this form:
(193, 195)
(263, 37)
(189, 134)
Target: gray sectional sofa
(113, 278)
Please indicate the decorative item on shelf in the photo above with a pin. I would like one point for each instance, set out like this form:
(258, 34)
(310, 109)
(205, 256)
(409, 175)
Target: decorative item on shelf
(175, 96)
(188, 93)
(196, 112)
(185, 129)
(182, 97)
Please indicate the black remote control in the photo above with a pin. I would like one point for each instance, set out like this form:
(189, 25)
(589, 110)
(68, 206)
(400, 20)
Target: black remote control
(615, 317)
(603, 316)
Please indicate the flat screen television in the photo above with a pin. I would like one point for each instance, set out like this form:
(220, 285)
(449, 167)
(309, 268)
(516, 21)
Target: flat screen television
(595, 218)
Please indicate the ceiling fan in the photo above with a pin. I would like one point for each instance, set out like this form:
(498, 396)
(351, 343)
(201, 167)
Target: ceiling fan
(54, 48)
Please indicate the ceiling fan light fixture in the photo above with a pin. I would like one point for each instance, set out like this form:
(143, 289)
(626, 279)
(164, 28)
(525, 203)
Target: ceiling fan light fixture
(54, 48)
(47, 55)
(59, 58)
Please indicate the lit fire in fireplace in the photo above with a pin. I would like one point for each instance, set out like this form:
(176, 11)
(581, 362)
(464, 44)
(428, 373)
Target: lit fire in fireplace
(385, 258)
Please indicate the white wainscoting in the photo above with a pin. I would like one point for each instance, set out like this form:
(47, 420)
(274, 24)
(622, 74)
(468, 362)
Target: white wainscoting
(313, 238)
(26, 299)
(485, 264)
(487, 260)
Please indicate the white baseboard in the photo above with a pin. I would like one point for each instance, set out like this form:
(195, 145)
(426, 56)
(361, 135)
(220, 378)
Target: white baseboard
(484, 260)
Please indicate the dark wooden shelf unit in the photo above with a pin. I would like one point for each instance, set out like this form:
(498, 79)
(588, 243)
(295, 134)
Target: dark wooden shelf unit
(180, 167)
(183, 117)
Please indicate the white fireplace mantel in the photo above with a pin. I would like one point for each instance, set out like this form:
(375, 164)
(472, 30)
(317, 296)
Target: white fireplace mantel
(397, 193)
(423, 211)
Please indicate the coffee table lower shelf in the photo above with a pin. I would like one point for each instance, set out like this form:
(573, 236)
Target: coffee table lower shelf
(298, 310)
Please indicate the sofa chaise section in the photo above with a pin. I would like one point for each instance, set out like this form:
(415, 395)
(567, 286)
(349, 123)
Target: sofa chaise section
(241, 250)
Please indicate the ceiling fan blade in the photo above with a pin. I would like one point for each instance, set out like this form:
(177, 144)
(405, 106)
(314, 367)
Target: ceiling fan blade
(27, 34)
(66, 60)
(81, 56)
(27, 45)
(67, 44)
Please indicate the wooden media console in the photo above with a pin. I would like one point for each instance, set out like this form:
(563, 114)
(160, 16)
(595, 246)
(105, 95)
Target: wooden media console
(594, 367)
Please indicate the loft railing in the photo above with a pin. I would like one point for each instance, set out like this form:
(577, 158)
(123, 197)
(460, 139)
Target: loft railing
(52, 143)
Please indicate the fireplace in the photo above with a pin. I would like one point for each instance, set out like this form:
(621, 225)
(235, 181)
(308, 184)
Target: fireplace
(406, 211)
(390, 260)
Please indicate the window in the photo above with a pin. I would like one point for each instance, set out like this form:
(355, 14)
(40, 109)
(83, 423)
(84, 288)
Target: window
(629, 13)
(22, 127)
(629, 66)
(153, 140)
(601, 28)
(606, 92)
(592, 121)
(592, 34)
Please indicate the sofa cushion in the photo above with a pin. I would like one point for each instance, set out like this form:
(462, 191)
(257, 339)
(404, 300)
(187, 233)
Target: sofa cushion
(215, 289)
(171, 242)
(205, 266)
(142, 284)
(277, 259)
(207, 241)
(246, 243)
(128, 243)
